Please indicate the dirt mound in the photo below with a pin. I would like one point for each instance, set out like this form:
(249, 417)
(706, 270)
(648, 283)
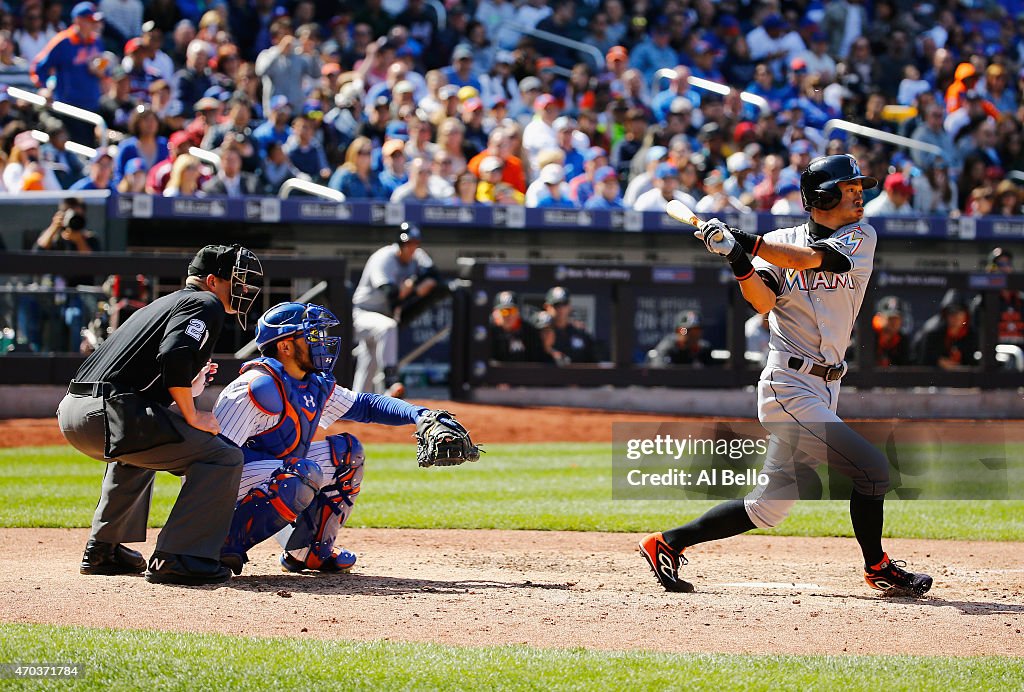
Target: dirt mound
(553, 589)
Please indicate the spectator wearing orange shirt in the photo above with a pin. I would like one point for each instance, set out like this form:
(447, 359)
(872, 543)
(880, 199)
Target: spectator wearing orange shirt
(499, 145)
(966, 79)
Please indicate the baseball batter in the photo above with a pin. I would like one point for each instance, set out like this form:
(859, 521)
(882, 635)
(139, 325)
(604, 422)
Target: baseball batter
(811, 279)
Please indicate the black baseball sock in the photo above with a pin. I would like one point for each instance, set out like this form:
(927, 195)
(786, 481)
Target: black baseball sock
(721, 521)
(867, 515)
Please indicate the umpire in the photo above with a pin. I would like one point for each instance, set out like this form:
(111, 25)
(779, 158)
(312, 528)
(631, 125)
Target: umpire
(117, 410)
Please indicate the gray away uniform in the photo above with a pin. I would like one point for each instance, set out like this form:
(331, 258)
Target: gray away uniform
(810, 325)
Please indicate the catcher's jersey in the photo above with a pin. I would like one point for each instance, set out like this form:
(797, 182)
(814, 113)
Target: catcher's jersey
(242, 416)
(815, 311)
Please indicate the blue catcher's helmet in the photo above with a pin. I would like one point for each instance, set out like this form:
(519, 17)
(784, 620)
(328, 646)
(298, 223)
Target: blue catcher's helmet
(302, 320)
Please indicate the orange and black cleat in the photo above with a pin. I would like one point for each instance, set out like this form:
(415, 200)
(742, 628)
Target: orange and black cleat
(890, 577)
(665, 562)
(340, 562)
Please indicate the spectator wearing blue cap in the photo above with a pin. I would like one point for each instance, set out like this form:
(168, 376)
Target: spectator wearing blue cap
(666, 189)
(461, 73)
(644, 181)
(654, 52)
(800, 154)
(73, 58)
(277, 127)
(565, 132)
(134, 179)
(101, 173)
(788, 202)
(582, 186)
(606, 191)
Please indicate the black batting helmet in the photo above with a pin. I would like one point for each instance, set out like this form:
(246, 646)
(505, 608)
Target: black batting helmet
(819, 183)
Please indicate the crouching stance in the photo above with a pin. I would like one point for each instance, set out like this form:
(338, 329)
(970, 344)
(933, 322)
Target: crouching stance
(299, 490)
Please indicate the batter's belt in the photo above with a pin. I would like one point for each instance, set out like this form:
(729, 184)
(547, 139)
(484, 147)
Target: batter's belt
(829, 373)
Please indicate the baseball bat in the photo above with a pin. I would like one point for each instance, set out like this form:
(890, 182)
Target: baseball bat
(680, 212)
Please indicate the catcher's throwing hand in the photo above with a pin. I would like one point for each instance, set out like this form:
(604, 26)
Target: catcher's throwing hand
(442, 441)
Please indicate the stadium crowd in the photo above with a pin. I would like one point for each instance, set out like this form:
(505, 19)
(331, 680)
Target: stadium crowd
(417, 101)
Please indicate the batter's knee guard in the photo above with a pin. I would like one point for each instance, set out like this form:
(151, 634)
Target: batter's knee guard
(767, 513)
(269, 507)
(312, 541)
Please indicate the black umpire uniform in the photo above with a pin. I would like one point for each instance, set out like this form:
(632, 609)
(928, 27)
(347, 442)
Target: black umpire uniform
(117, 410)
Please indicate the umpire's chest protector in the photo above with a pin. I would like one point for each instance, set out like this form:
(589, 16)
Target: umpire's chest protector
(298, 403)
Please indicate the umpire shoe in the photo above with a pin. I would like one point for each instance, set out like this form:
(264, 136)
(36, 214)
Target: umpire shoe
(889, 577)
(340, 562)
(167, 568)
(111, 558)
(664, 561)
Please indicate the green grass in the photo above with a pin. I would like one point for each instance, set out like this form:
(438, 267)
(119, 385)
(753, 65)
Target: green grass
(159, 660)
(550, 487)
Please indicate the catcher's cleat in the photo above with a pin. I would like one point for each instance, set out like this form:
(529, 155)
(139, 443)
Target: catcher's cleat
(111, 558)
(889, 577)
(664, 561)
(340, 562)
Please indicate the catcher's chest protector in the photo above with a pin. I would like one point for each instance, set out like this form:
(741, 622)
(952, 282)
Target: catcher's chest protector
(303, 405)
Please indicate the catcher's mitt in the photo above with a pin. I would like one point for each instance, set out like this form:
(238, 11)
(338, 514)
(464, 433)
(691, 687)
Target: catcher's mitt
(442, 441)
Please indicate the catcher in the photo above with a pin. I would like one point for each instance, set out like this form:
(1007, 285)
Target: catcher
(271, 411)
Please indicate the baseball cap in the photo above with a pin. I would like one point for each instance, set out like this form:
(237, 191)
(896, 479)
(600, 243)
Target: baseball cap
(542, 320)
(715, 177)
(472, 105)
(557, 295)
(563, 122)
(218, 260)
(134, 165)
(207, 103)
(506, 299)
(132, 45)
(666, 170)
(737, 162)
(87, 10)
(787, 187)
(408, 233)
(396, 129)
(889, 306)
(530, 83)
(617, 53)
(447, 91)
(742, 130)
(496, 100)
(594, 153)
(680, 104)
(25, 141)
(103, 152)
(392, 146)
(709, 130)
(278, 102)
(819, 37)
(544, 64)
(773, 22)
(491, 164)
(688, 319)
(467, 92)
(604, 173)
(896, 182)
(552, 174)
(801, 146)
(178, 138)
(655, 153)
(382, 101)
(330, 68)
(462, 52)
(505, 57)
(543, 101)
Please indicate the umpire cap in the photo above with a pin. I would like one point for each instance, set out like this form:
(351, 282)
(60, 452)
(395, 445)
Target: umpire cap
(218, 260)
(819, 184)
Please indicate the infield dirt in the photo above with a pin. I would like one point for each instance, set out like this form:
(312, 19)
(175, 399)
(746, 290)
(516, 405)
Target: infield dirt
(755, 594)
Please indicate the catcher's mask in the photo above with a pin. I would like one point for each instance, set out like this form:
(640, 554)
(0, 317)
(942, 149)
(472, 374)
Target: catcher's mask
(239, 266)
(305, 320)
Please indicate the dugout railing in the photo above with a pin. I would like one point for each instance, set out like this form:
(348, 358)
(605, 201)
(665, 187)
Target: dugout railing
(628, 307)
(24, 285)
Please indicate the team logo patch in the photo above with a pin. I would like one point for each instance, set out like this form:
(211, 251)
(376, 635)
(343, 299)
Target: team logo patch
(852, 239)
(196, 329)
(309, 401)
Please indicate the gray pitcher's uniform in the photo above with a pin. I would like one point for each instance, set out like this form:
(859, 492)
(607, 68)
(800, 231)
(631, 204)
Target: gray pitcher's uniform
(374, 329)
(810, 328)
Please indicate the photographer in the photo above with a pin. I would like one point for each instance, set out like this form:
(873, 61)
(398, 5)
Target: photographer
(66, 233)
